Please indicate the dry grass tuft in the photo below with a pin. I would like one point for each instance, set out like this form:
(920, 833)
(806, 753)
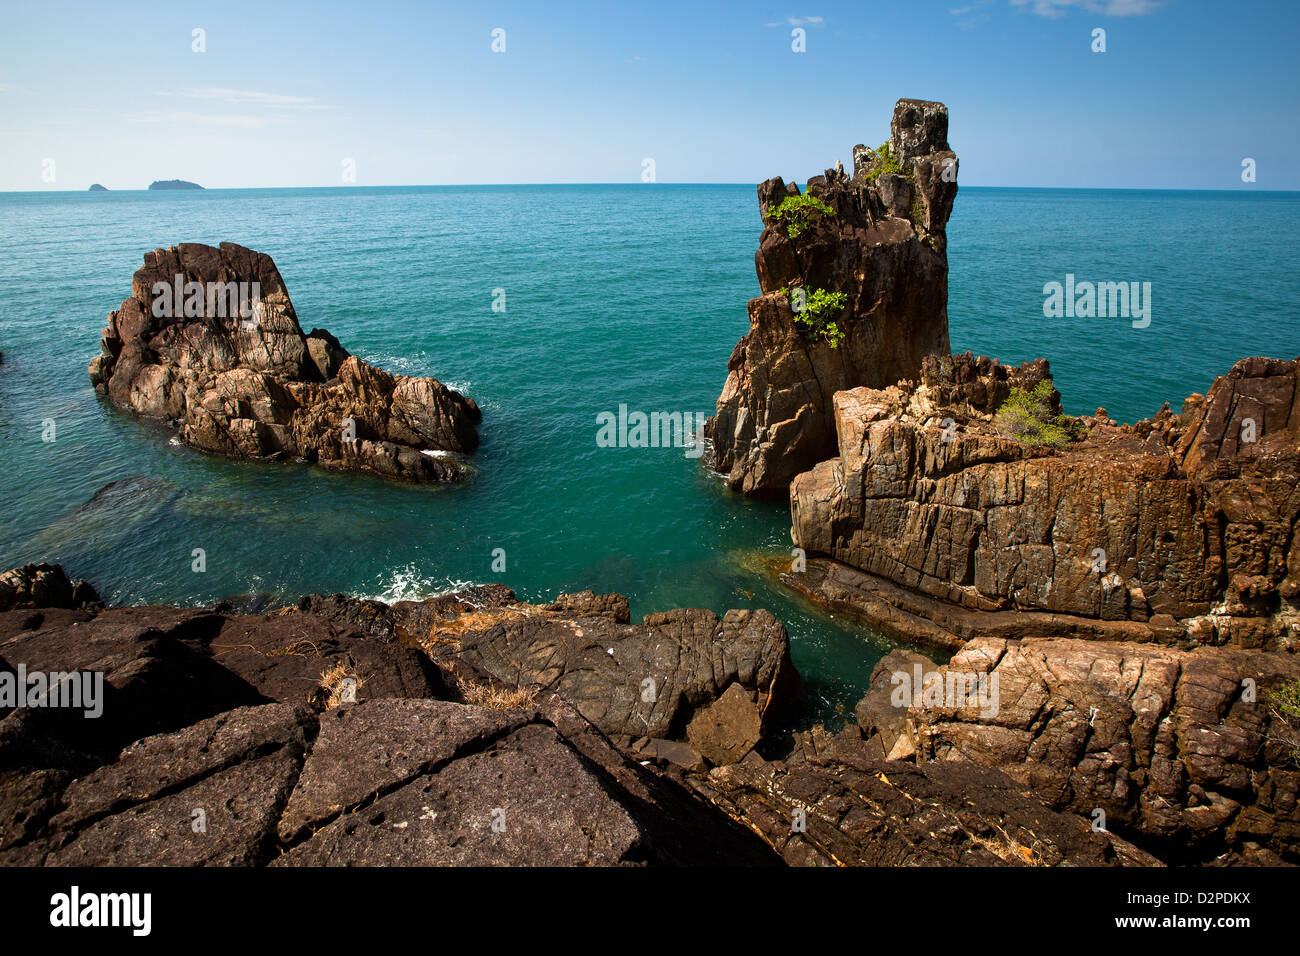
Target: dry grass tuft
(339, 684)
(498, 698)
(448, 633)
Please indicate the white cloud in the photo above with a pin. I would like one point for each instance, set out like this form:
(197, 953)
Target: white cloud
(796, 21)
(277, 101)
(183, 118)
(973, 13)
(1109, 8)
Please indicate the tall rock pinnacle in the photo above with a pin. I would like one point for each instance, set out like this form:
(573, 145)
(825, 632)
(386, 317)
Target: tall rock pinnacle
(854, 276)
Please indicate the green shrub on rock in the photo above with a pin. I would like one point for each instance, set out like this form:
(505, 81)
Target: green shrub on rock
(794, 213)
(1029, 418)
(1284, 707)
(815, 311)
(886, 164)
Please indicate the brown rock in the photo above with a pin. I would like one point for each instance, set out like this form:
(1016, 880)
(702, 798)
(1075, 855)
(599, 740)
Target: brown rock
(238, 376)
(1171, 529)
(831, 803)
(727, 729)
(43, 586)
(884, 248)
(1167, 742)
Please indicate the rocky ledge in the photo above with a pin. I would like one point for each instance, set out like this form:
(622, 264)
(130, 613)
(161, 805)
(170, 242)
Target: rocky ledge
(939, 524)
(854, 280)
(466, 729)
(209, 341)
(1184, 752)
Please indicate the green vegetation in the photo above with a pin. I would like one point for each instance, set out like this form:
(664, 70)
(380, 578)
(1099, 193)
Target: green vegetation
(1284, 706)
(1027, 417)
(816, 317)
(886, 163)
(794, 212)
(917, 212)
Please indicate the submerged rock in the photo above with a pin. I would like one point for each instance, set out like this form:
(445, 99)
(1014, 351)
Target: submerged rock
(210, 341)
(104, 525)
(876, 238)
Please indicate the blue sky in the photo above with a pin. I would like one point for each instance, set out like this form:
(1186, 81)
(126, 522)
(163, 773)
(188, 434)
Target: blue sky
(413, 94)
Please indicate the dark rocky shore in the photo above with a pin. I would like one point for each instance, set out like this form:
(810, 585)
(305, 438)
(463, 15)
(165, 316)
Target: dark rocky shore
(467, 729)
(209, 342)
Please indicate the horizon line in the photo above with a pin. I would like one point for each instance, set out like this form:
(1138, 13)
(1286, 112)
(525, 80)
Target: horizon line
(144, 189)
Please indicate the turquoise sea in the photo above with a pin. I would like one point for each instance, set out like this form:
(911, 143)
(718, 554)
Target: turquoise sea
(614, 295)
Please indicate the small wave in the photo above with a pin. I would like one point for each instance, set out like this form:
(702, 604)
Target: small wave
(414, 365)
(408, 584)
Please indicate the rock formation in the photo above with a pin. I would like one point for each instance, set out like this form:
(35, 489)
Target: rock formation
(1181, 751)
(659, 680)
(210, 342)
(351, 732)
(876, 238)
(43, 585)
(944, 526)
(833, 802)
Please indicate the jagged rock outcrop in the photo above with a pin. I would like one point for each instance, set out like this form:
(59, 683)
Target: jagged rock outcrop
(882, 245)
(680, 674)
(945, 526)
(1181, 751)
(833, 803)
(43, 585)
(219, 353)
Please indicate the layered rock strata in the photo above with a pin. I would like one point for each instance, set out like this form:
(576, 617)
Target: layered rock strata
(943, 526)
(1184, 752)
(833, 801)
(209, 341)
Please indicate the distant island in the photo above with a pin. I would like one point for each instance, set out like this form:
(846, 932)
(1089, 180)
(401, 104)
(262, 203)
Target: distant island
(173, 184)
(97, 188)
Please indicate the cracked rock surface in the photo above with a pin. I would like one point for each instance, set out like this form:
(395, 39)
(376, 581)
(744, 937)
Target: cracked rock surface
(476, 730)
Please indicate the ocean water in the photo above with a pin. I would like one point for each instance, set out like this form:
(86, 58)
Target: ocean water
(629, 295)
